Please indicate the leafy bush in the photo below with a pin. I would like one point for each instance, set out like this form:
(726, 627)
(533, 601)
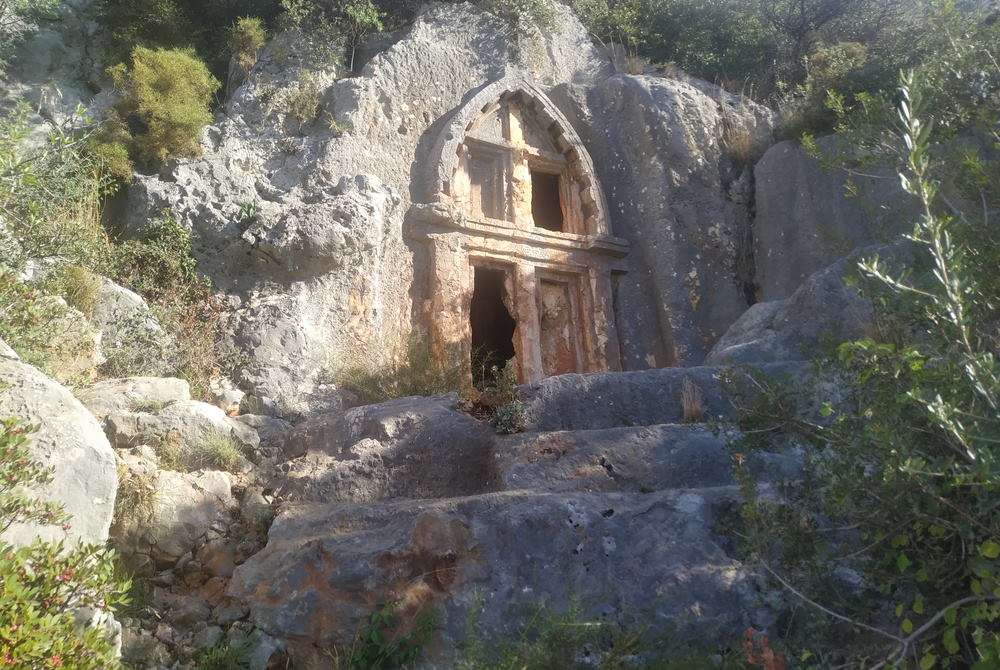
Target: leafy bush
(302, 102)
(49, 197)
(45, 584)
(166, 93)
(902, 484)
(332, 31)
(382, 645)
(497, 393)
(155, 23)
(204, 25)
(523, 18)
(39, 327)
(510, 418)
(158, 266)
(836, 70)
(108, 146)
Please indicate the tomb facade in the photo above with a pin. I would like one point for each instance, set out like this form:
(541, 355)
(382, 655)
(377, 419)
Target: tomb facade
(520, 252)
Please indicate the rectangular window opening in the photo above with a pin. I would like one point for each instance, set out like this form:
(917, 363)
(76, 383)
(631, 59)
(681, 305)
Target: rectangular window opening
(546, 203)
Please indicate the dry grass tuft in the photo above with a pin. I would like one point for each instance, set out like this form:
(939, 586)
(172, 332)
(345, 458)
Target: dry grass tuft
(692, 403)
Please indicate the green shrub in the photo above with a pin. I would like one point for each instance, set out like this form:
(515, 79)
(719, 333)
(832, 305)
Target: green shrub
(157, 264)
(109, 148)
(381, 645)
(510, 418)
(150, 23)
(49, 198)
(167, 92)
(833, 70)
(44, 584)
(204, 25)
(331, 31)
(246, 39)
(302, 102)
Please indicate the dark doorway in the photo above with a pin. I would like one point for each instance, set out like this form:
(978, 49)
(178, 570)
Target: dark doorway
(492, 325)
(546, 209)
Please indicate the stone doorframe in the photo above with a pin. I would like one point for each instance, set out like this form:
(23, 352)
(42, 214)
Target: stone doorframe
(574, 266)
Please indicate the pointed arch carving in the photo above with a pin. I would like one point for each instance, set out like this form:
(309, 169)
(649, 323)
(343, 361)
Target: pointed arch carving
(504, 131)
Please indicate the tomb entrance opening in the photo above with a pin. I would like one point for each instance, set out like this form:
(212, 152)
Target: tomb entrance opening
(491, 323)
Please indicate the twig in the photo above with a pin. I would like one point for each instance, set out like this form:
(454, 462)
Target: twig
(906, 644)
(827, 611)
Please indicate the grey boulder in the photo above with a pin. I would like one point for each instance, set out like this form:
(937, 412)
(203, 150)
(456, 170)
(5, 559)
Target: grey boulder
(190, 419)
(823, 308)
(174, 513)
(70, 441)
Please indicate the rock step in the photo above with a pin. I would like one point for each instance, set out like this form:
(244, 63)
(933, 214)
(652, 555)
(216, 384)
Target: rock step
(640, 459)
(643, 398)
(454, 456)
(655, 554)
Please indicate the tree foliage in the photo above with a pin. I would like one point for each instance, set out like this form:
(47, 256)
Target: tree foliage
(18, 18)
(905, 463)
(333, 30)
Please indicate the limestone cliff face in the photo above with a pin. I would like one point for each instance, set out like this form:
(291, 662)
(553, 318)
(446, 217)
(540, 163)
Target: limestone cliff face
(320, 265)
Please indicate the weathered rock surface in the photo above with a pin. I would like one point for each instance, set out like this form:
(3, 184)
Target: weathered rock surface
(619, 505)
(272, 432)
(55, 70)
(69, 440)
(675, 190)
(7, 352)
(190, 419)
(806, 221)
(132, 393)
(623, 460)
(794, 328)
